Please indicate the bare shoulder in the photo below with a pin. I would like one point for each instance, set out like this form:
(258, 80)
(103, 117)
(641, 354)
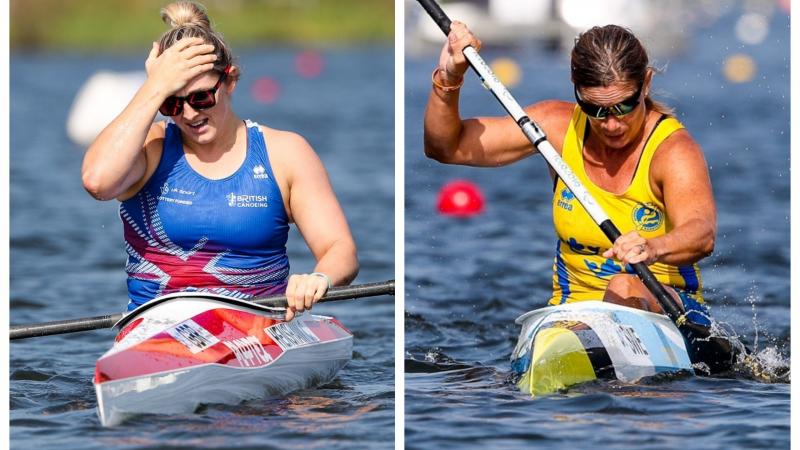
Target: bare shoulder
(678, 157)
(157, 130)
(151, 157)
(283, 143)
(554, 117)
(552, 111)
(678, 146)
(289, 150)
(154, 147)
(155, 136)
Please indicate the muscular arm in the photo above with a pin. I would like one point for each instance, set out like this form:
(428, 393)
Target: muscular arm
(483, 141)
(314, 208)
(116, 160)
(312, 205)
(487, 141)
(679, 175)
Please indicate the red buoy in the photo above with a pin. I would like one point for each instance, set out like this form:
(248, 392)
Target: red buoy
(265, 90)
(309, 64)
(460, 198)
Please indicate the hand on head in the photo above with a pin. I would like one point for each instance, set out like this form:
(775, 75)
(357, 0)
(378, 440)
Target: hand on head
(303, 291)
(172, 70)
(632, 248)
(452, 63)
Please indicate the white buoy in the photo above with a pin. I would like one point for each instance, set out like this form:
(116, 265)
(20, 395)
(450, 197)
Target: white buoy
(101, 98)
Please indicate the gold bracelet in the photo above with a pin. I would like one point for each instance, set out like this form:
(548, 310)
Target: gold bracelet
(443, 87)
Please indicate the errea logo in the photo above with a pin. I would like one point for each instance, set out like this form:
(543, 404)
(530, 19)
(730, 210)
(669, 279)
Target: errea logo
(260, 173)
(565, 201)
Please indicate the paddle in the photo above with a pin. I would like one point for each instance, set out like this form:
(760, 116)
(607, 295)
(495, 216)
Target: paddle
(697, 335)
(107, 321)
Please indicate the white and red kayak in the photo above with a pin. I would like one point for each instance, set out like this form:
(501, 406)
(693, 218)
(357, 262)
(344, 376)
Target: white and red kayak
(182, 350)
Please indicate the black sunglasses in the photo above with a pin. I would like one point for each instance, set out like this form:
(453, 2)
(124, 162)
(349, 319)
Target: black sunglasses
(173, 105)
(622, 108)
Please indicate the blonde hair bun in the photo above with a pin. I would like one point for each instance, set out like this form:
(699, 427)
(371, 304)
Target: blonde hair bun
(179, 14)
(190, 20)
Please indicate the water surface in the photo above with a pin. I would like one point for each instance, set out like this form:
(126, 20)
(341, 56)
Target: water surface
(468, 279)
(67, 259)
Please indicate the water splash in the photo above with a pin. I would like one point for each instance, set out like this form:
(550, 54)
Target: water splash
(766, 365)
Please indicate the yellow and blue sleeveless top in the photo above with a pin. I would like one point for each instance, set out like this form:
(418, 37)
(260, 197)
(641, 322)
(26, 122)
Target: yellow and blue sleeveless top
(185, 232)
(580, 272)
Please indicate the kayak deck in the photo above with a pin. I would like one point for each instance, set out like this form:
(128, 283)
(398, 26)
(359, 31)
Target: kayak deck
(564, 345)
(186, 350)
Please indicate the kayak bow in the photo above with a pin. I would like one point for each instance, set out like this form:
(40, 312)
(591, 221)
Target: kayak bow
(560, 346)
(181, 350)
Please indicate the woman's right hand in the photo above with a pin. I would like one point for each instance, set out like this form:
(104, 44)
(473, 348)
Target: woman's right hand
(452, 63)
(302, 291)
(172, 70)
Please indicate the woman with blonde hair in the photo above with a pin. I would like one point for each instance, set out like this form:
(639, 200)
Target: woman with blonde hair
(206, 197)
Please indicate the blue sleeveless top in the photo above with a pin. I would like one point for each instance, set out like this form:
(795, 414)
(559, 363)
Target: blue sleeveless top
(185, 232)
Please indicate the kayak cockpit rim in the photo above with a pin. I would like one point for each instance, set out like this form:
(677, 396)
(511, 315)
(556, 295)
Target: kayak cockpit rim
(208, 295)
(584, 304)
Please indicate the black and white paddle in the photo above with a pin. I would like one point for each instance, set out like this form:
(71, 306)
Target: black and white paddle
(696, 335)
(277, 301)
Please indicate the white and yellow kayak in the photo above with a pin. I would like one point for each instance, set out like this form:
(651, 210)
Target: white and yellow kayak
(564, 345)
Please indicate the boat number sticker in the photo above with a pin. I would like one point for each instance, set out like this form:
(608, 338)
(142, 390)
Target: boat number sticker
(248, 351)
(193, 336)
(291, 334)
(631, 341)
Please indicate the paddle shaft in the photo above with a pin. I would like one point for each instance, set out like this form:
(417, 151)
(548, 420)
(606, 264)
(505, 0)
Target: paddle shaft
(537, 137)
(107, 321)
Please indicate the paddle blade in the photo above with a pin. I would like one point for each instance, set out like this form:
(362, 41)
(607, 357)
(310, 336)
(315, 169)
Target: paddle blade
(716, 352)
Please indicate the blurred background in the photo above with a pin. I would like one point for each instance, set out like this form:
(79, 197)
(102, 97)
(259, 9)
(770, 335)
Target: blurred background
(321, 68)
(662, 25)
(471, 270)
(92, 25)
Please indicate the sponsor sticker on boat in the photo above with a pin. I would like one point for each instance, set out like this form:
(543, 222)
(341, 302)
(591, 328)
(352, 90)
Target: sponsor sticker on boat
(291, 334)
(630, 340)
(193, 336)
(248, 351)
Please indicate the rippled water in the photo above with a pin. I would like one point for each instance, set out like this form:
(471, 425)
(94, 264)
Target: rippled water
(67, 260)
(467, 280)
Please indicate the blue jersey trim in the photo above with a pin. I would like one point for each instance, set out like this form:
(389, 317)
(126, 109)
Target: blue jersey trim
(696, 312)
(690, 279)
(561, 274)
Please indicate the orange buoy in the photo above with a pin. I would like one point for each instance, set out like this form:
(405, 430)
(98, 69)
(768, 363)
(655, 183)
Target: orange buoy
(460, 198)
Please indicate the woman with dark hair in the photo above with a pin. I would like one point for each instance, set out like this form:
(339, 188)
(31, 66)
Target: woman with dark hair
(633, 156)
(206, 197)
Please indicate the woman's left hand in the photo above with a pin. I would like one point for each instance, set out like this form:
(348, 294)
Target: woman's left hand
(302, 292)
(632, 248)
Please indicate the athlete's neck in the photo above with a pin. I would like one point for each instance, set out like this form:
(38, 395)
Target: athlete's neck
(222, 143)
(599, 150)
